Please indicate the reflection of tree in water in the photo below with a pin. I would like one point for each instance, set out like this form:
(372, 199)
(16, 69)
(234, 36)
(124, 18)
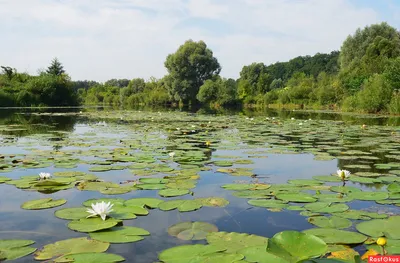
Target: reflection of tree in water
(29, 124)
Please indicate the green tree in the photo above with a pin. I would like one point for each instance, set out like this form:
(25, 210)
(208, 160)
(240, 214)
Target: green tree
(392, 74)
(55, 68)
(276, 84)
(367, 52)
(189, 67)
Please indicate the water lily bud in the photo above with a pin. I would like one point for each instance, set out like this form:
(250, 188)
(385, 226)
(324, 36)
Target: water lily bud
(381, 241)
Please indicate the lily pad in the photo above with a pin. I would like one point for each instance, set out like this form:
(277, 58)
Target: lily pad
(381, 227)
(213, 201)
(191, 230)
(332, 222)
(173, 192)
(197, 253)
(336, 236)
(297, 197)
(148, 202)
(72, 213)
(120, 234)
(92, 224)
(71, 246)
(11, 249)
(90, 258)
(181, 205)
(369, 196)
(233, 242)
(42, 204)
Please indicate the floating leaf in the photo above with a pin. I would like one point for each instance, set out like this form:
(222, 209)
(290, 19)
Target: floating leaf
(232, 241)
(197, 253)
(297, 197)
(332, 222)
(213, 201)
(90, 258)
(148, 202)
(369, 196)
(336, 236)
(120, 234)
(42, 203)
(270, 203)
(381, 227)
(92, 224)
(11, 249)
(173, 192)
(191, 230)
(71, 246)
(181, 205)
(72, 213)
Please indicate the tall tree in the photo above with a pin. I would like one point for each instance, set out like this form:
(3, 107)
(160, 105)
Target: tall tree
(55, 68)
(189, 67)
(366, 53)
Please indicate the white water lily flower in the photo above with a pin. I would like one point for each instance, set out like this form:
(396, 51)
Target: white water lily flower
(101, 209)
(171, 154)
(44, 175)
(343, 174)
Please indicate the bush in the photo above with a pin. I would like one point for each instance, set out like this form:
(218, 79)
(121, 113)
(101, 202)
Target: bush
(394, 106)
(375, 95)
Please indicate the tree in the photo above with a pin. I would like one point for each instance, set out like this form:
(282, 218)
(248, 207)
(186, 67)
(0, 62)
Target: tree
(55, 68)
(276, 84)
(121, 83)
(366, 53)
(9, 72)
(189, 67)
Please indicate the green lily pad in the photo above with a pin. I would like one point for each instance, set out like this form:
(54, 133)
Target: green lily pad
(332, 222)
(92, 224)
(181, 205)
(381, 227)
(269, 203)
(327, 178)
(173, 192)
(191, 230)
(11, 249)
(336, 236)
(120, 234)
(369, 196)
(213, 201)
(324, 207)
(299, 246)
(233, 242)
(90, 258)
(297, 197)
(148, 202)
(42, 204)
(197, 253)
(4, 179)
(71, 246)
(72, 213)
(246, 186)
(303, 182)
(113, 201)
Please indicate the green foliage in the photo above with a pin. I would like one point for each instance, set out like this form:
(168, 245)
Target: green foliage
(276, 84)
(219, 91)
(375, 95)
(392, 73)
(55, 68)
(367, 52)
(394, 106)
(189, 67)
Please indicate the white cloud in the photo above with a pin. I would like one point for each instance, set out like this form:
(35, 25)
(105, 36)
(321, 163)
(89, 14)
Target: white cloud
(106, 39)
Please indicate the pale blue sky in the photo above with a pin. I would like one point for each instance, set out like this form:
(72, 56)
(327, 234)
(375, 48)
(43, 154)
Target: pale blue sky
(103, 39)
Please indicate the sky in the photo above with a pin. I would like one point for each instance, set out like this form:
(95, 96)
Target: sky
(105, 39)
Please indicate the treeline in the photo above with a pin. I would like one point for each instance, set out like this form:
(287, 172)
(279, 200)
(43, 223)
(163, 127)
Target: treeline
(52, 87)
(363, 76)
